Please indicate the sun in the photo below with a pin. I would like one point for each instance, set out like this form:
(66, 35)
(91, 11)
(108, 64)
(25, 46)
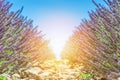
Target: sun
(57, 45)
(58, 27)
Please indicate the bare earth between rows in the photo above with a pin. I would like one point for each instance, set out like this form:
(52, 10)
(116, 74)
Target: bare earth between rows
(51, 70)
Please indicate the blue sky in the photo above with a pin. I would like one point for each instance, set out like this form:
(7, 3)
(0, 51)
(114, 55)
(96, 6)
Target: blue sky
(35, 9)
(56, 18)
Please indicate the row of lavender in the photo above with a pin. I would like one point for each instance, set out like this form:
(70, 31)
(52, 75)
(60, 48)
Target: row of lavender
(20, 42)
(96, 42)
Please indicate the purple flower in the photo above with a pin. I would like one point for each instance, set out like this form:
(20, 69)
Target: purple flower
(1, 47)
(1, 36)
(119, 62)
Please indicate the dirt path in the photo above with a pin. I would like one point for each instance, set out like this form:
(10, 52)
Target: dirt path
(52, 70)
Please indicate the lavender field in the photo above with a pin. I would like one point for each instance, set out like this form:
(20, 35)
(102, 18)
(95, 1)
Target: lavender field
(92, 51)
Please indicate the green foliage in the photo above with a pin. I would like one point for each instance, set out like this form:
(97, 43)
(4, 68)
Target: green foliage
(86, 76)
(2, 77)
(9, 51)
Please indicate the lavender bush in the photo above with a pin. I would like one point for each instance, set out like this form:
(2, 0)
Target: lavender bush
(96, 42)
(20, 42)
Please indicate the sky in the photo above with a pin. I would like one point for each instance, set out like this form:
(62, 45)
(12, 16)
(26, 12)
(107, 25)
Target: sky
(57, 19)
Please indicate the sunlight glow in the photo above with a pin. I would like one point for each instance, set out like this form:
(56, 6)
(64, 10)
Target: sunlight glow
(57, 46)
(58, 27)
